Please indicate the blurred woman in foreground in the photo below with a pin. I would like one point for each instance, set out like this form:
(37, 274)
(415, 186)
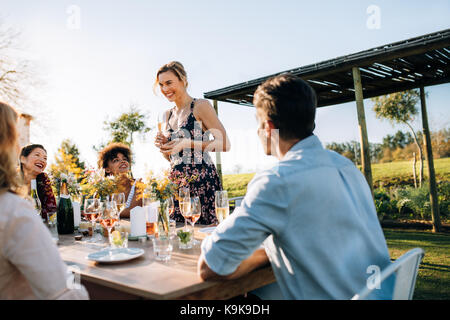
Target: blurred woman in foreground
(30, 264)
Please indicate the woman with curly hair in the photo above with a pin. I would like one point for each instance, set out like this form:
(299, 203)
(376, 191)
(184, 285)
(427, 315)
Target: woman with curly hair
(30, 264)
(115, 159)
(33, 161)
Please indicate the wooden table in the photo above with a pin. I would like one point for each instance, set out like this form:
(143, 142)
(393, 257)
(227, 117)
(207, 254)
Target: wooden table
(147, 278)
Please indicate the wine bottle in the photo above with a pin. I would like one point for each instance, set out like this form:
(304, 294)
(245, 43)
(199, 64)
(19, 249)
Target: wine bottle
(35, 197)
(64, 215)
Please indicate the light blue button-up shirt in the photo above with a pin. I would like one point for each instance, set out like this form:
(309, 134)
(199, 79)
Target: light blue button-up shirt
(315, 215)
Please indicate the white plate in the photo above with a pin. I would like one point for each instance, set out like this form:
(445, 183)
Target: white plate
(207, 230)
(115, 255)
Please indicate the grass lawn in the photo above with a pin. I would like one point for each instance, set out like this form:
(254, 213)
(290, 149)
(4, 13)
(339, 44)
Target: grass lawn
(433, 280)
(388, 173)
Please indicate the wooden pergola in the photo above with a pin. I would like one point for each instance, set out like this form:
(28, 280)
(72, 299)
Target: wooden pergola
(414, 63)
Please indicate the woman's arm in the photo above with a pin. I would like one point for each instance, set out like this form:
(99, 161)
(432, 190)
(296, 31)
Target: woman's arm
(204, 113)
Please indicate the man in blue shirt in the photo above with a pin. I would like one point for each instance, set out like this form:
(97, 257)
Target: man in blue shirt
(313, 212)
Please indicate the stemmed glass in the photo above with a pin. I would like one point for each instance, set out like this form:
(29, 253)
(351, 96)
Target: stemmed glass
(222, 205)
(196, 211)
(109, 216)
(185, 203)
(92, 211)
(162, 120)
(119, 198)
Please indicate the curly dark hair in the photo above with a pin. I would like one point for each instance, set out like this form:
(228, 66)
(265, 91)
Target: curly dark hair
(110, 152)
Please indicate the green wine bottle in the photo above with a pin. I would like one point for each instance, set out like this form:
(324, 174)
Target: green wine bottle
(64, 215)
(35, 197)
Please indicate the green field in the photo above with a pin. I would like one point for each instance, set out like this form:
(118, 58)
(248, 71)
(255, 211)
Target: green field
(433, 280)
(392, 173)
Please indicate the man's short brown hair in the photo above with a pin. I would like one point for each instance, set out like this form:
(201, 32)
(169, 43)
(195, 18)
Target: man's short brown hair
(290, 103)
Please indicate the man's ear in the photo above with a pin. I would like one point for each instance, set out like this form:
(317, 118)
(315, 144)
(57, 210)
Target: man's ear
(269, 127)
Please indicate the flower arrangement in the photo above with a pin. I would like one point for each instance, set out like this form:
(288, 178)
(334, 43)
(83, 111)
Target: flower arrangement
(95, 184)
(73, 186)
(161, 186)
(180, 180)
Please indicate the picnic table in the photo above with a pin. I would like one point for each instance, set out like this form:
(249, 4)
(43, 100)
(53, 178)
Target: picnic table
(147, 278)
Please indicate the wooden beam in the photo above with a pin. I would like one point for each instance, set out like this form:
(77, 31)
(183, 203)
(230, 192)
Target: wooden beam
(218, 157)
(429, 156)
(365, 152)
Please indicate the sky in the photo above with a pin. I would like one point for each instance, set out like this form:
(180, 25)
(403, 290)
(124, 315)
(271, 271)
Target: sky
(95, 58)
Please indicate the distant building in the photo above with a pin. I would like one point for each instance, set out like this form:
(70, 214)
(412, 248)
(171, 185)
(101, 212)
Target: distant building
(24, 129)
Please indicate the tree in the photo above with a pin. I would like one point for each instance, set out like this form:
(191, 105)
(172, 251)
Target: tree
(123, 128)
(67, 160)
(16, 72)
(400, 107)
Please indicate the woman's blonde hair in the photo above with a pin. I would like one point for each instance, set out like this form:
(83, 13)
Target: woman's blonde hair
(177, 68)
(9, 178)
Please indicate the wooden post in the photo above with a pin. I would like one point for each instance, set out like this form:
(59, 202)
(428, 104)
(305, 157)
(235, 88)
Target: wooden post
(365, 152)
(414, 170)
(218, 158)
(429, 156)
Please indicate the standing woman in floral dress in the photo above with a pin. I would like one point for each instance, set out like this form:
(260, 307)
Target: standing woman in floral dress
(190, 123)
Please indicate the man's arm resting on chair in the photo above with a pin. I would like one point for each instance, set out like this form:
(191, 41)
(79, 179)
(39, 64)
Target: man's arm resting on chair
(257, 259)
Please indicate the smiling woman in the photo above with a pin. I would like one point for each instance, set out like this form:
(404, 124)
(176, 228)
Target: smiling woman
(185, 140)
(33, 161)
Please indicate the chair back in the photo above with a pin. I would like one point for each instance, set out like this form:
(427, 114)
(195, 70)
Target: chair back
(405, 268)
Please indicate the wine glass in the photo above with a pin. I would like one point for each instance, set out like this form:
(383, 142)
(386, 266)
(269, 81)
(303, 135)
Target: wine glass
(119, 198)
(170, 206)
(92, 210)
(196, 211)
(222, 205)
(185, 203)
(162, 121)
(109, 216)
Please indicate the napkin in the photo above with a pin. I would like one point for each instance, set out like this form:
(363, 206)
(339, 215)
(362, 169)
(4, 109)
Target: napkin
(76, 213)
(137, 220)
(152, 211)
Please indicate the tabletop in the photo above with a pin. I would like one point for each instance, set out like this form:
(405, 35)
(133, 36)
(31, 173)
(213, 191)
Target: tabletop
(147, 278)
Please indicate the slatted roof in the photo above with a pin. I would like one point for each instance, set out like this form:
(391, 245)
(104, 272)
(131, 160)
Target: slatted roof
(399, 66)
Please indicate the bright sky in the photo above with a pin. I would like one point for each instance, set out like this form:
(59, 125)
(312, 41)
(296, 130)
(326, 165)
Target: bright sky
(97, 57)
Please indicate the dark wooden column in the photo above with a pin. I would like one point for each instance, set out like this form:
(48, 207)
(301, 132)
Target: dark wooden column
(365, 152)
(429, 156)
(218, 157)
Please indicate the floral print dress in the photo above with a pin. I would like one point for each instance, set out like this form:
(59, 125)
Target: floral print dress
(188, 163)
(45, 194)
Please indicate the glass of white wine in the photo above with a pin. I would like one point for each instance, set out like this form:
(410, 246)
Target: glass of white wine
(222, 205)
(185, 203)
(196, 211)
(119, 199)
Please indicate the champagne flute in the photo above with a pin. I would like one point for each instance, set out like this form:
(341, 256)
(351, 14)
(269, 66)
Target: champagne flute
(162, 120)
(109, 216)
(196, 211)
(92, 210)
(170, 206)
(119, 198)
(185, 203)
(222, 205)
